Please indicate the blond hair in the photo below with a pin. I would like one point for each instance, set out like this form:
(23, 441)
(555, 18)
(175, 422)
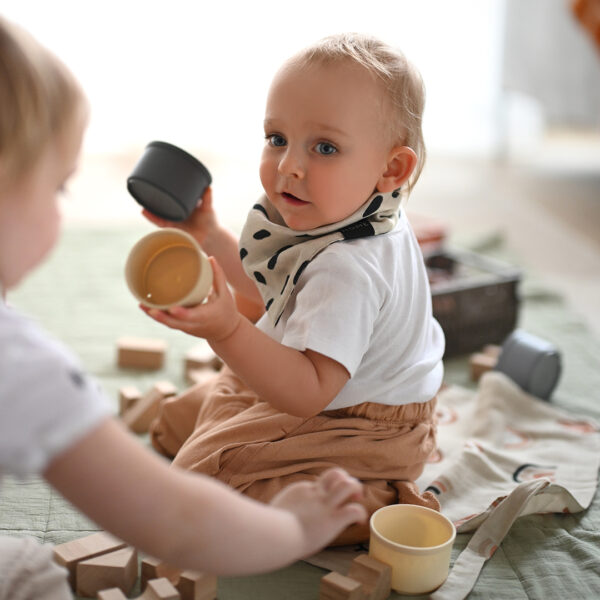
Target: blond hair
(401, 81)
(40, 100)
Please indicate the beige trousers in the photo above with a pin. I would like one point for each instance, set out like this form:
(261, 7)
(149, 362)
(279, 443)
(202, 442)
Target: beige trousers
(222, 429)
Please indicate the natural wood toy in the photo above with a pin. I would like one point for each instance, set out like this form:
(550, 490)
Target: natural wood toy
(201, 357)
(128, 396)
(116, 569)
(157, 589)
(483, 361)
(141, 353)
(71, 553)
(196, 376)
(375, 576)
(139, 416)
(192, 585)
(335, 586)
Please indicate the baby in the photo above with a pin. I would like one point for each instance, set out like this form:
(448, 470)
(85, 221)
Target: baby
(344, 362)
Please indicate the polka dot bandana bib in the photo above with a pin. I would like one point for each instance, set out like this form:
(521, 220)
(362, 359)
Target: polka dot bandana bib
(274, 255)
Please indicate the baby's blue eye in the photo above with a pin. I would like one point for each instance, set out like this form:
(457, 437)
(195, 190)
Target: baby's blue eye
(276, 140)
(325, 148)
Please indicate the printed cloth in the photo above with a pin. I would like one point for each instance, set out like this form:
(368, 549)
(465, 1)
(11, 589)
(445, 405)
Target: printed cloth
(501, 454)
(274, 255)
(222, 429)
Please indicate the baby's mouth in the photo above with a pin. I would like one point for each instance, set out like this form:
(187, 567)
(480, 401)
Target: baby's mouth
(291, 198)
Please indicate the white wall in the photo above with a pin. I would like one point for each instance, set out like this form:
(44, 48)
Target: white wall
(196, 73)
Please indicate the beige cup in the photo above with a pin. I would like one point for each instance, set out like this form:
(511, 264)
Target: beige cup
(415, 542)
(166, 268)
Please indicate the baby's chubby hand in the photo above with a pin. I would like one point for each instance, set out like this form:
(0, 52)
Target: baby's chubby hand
(200, 224)
(215, 319)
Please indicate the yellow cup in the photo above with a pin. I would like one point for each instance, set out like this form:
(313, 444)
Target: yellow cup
(416, 542)
(166, 268)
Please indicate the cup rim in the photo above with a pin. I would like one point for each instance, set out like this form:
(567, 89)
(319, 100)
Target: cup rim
(421, 550)
(158, 232)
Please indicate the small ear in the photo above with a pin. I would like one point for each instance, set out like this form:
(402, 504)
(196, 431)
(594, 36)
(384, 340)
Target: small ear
(401, 163)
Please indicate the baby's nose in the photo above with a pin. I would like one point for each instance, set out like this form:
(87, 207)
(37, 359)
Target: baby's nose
(291, 164)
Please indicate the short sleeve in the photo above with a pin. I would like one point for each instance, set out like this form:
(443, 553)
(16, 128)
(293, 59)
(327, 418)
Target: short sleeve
(46, 401)
(335, 309)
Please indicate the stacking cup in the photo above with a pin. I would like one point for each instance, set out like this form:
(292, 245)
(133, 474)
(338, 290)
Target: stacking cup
(416, 542)
(166, 268)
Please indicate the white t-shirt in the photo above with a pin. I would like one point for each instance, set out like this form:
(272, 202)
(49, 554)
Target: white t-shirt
(46, 402)
(366, 303)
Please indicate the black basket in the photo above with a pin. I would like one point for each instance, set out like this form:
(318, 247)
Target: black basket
(475, 299)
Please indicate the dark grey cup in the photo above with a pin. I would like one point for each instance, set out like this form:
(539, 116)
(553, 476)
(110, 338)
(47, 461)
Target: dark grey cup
(534, 364)
(168, 181)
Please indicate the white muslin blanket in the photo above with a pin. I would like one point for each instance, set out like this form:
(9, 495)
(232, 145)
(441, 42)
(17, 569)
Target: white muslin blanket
(501, 454)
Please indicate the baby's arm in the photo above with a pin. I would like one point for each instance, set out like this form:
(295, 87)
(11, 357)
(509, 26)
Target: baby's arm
(221, 243)
(298, 383)
(192, 521)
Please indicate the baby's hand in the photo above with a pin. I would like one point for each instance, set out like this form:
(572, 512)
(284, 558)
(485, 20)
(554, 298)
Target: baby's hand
(199, 224)
(215, 319)
(325, 507)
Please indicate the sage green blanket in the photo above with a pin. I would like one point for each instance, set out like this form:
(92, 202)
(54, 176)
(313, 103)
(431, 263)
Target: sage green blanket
(80, 296)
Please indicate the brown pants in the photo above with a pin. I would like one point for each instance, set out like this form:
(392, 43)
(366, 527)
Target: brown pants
(222, 429)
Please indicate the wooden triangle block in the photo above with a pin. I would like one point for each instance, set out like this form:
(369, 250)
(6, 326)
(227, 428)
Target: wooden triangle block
(335, 586)
(116, 569)
(375, 576)
(70, 553)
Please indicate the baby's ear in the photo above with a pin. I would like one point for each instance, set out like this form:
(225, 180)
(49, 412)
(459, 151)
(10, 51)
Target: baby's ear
(401, 163)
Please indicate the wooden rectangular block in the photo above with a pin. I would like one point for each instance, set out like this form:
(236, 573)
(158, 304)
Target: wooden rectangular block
(194, 376)
(191, 585)
(335, 586)
(116, 569)
(70, 553)
(141, 353)
(197, 586)
(128, 396)
(480, 363)
(111, 594)
(201, 356)
(145, 410)
(375, 576)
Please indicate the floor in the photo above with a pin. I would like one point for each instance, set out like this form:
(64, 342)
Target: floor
(545, 203)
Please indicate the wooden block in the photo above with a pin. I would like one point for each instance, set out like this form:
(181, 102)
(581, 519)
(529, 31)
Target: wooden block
(160, 589)
(197, 586)
(492, 350)
(192, 585)
(375, 576)
(141, 353)
(115, 569)
(111, 594)
(145, 410)
(152, 568)
(480, 363)
(201, 357)
(335, 586)
(194, 376)
(70, 553)
(128, 396)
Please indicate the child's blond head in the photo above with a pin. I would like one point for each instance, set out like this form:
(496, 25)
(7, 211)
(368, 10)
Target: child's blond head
(401, 82)
(40, 101)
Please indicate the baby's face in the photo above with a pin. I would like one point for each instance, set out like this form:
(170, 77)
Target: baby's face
(30, 222)
(326, 147)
